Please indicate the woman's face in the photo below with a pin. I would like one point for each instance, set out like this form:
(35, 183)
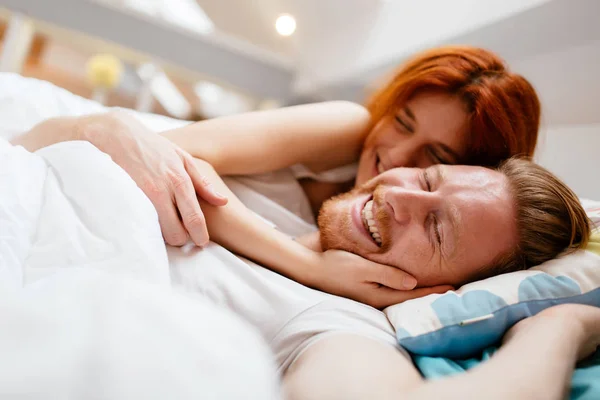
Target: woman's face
(430, 128)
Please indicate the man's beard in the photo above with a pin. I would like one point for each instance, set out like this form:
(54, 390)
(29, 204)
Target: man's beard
(335, 222)
(331, 233)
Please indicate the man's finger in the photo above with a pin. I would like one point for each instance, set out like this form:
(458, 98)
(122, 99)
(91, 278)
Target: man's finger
(172, 229)
(203, 187)
(393, 278)
(191, 213)
(388, 297)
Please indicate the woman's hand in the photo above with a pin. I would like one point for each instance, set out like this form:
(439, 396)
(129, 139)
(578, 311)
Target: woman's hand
(164, 172)
(349, 275)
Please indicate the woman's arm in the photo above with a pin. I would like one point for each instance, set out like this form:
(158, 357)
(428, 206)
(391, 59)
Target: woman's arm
(238, 229)
(321, 136)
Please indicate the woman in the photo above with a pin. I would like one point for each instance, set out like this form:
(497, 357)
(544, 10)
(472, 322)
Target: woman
(451, 105)
(447, 105)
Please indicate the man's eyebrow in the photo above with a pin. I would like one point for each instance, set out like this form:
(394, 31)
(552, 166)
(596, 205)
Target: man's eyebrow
(454, 216)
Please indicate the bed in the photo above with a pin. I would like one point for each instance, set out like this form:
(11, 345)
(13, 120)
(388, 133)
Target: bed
(138, 258)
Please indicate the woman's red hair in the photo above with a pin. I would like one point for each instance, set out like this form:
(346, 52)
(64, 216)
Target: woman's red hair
(504, 107)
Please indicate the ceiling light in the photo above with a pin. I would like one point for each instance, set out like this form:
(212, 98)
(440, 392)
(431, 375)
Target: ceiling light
(285, 25)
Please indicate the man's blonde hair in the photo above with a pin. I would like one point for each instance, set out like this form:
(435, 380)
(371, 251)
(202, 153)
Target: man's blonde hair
(550, 218)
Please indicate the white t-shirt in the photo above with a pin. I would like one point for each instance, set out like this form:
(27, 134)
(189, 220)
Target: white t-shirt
(290, 316)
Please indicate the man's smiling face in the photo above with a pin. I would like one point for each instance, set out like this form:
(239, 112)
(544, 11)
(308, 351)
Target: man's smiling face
(442, 224)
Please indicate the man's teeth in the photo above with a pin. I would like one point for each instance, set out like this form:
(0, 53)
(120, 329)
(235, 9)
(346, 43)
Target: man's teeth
(380, 168)
(369, 221)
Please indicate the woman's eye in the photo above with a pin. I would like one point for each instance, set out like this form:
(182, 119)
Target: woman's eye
(436, 158)
(404, 125)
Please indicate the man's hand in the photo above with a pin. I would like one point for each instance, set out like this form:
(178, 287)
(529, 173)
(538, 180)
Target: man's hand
(164, 172)
(349, 275)
(576, 323)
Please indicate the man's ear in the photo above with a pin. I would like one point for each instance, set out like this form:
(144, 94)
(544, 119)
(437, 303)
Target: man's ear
(311, 240)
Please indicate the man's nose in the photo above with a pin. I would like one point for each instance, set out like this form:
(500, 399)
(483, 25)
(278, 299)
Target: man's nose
(407, 204)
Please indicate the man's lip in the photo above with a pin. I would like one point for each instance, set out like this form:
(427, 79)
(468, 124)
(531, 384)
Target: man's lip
(357, 218)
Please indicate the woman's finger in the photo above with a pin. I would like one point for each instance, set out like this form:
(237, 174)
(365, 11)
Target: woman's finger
(190, 211)
(387, 297)
(392, 277)
(203, 187)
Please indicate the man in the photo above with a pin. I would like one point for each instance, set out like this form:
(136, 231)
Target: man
(444, 225)
(455, 224)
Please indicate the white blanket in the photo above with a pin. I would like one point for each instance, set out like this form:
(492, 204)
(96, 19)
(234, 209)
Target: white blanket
(71, 206)
(87, 308)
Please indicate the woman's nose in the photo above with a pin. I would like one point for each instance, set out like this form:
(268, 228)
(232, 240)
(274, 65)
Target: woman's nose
(405, 155)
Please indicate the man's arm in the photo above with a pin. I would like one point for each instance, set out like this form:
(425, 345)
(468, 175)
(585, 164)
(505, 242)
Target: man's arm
(319, 135)
(164, 172)
(536, 362)
(235, 227)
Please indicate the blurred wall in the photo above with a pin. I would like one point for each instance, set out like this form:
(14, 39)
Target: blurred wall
(572, 152)
(370, 33)
(567, 82)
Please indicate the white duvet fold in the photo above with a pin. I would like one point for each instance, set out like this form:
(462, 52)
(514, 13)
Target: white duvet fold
(86, 303)
(74, 207)
(21, 196)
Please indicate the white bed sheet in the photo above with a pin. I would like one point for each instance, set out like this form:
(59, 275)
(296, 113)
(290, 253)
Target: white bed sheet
(88, 310)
